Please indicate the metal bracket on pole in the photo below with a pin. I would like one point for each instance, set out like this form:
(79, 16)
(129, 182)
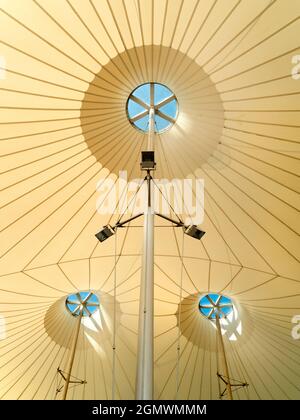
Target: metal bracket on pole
(228, 381)
(71, 381)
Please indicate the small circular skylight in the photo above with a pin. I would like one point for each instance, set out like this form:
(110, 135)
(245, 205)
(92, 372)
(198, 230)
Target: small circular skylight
(87, 302)
(152, 96)
(214, 304)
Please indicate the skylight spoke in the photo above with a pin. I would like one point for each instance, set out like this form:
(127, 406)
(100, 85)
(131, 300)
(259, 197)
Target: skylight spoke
(87, 298)
(87, 310)
(151, 94)
(76, 309)
(218, 300)
(165, 102)
(73, 302)
(140, 102)
(210, 313)
(165, 116)
(138, 116)
(210, 299)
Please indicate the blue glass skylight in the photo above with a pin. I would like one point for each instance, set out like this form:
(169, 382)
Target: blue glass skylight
(87, 302)
(158, 97)
(214, 304)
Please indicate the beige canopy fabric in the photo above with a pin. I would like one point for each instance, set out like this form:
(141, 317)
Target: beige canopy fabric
(66, 71)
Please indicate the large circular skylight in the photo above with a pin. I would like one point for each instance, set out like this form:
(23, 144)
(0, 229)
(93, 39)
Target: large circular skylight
(214, 304)
(87, 302)
(152, 96)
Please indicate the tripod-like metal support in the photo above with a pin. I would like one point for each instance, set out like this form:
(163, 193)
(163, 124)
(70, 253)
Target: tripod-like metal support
(228, 382)
(71, 381)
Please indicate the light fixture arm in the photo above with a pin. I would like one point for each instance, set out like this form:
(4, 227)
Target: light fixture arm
(175, 222)
(122, 224)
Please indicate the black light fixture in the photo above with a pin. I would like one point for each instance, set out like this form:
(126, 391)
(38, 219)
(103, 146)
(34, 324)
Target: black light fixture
(148, 161)
(193, 231)
(105, 233)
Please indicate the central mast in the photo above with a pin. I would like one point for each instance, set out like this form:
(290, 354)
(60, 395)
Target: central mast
(144, 382)
(145, 365)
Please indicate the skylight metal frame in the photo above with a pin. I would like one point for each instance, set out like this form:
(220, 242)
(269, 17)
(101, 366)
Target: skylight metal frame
(216, 307)
(156, 107)
(82, 304)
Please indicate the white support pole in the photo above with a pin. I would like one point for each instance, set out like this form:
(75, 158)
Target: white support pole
(72, 355)
(144, 384)
(144, 378)
(225, 365)
(151, 129)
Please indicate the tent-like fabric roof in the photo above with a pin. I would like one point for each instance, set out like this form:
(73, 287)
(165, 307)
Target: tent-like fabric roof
(67, 69)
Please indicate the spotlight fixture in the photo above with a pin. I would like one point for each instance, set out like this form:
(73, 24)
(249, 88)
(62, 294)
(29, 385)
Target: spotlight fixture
(148, 162)
(193, 231)
(105, 233)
